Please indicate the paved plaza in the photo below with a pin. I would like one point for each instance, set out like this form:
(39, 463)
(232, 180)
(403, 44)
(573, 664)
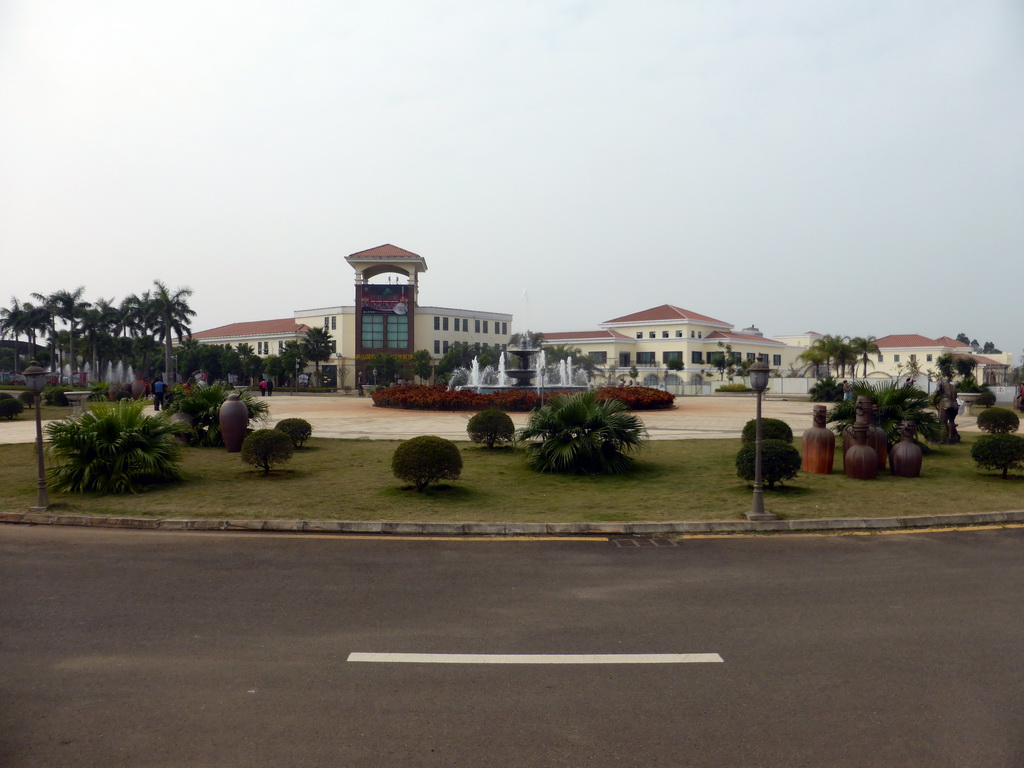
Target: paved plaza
(352, 417)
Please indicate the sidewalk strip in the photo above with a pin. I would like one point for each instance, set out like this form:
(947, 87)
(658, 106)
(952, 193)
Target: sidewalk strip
(537, 658)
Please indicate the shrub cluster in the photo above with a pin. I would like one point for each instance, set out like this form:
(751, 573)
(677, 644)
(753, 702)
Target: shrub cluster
(734, 388)
(266, 448)
(440, 398)
(56, 396)
(771, 429)
(28, 398)
(998, 421)
(298, 430)
(424, 459)
(491, 427)
(779, 461)
(986, 399)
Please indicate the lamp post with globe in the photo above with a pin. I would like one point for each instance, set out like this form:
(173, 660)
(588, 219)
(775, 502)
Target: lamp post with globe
(35, 379)
(759, 383)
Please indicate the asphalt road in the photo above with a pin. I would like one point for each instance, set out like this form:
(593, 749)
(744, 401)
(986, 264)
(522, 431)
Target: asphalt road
(122, 648)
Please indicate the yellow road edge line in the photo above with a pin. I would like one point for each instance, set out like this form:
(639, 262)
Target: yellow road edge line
(873, 532)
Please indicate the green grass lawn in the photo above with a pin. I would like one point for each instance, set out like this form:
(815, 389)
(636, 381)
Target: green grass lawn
(674, 481)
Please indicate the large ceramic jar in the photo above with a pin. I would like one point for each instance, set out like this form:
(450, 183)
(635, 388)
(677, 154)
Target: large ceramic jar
(819, 445)
(906, 457)
(861, 459)
(138, 389)
(234, 420)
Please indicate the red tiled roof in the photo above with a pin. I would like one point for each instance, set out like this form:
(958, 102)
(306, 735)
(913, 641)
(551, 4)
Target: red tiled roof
(903, 340)
(946, 341)
(982, 360)
(664, 312)
(254, 328)
(741, 337)
(563, 336)
(386, 251)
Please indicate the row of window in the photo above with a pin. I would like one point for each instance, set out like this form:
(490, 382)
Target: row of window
(331, 323)
(462, 324)
(665, 334)
(441, 347)
(696, 358)
(896, 358)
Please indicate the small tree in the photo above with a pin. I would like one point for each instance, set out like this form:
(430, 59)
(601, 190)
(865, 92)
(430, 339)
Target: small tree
(424, 459)
(779, 461)
(422, 364)
(490, 427)
(299, 430)
(10, 407)
(771, 429)
(1000, 452)
(266, 448)
(998, 421)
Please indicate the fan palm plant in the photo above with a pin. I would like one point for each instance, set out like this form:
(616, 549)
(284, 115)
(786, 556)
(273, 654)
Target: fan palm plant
(316, 346)
(896, 404)
(576, 434)
(113, 448)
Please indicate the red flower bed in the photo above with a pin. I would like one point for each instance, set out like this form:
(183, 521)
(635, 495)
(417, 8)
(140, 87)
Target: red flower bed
(440, 398)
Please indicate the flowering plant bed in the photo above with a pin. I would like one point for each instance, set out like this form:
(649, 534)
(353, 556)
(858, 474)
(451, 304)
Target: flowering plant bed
(440, 398)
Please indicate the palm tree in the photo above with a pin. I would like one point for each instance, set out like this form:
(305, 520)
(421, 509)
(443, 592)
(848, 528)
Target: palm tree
(896, 404)
(48, 308)
(862, 346)
(12, 321)
(172, 314)
(98, 323)
(526, 340)
(316, 346)
(815, 356)
(68, 306)
(576, 434)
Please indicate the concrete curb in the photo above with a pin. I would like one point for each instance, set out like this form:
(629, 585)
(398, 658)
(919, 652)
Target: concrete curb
(718, 527)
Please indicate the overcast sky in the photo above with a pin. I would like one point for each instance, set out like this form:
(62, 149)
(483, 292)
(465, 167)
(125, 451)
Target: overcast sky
(851, 167)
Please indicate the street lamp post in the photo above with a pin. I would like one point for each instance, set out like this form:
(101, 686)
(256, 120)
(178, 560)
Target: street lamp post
(35, 379)
(759, 383)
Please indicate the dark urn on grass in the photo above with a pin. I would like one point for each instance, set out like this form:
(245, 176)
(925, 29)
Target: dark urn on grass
(906, 457)
(234, 421)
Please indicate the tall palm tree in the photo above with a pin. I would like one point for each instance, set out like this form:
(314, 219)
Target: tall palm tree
(12, 321)
(316, 346)
(48, 305)
(69, 306)
(98, 323)
(862, 346)
(172, 314)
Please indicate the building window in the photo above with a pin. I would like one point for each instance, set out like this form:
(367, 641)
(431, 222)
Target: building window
(895, 358)
(776, 359)
(385, 331)
(476, 326)
(599, 358)
(486, 345)
(750, 356)
(928, 358)
(679, 334)
(693, 334)
(650, 334)
(444, 324)
(762, 358)
(700, 334)
(624, 360)
(327, 323)
(445, 347)
(913, 358)
(504, 329)
(334, 347)
(881, 359)
(668, 357)
(696, 358)
(645, 358)
(485, 327)
(437, 345)
(639, 334)
(437, 323)
(334, 322)
(664, 334)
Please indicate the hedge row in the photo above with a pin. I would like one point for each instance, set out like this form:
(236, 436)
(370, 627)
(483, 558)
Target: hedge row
(440, 398)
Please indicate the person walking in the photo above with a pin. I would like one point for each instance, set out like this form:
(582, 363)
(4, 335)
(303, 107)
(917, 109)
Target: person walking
(270, 387)
(263, 388)
(159, 393)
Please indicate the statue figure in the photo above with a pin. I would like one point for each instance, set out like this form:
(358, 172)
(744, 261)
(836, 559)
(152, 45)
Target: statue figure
(906, 457)
(861, 460)
(945, 397)
(819, 445)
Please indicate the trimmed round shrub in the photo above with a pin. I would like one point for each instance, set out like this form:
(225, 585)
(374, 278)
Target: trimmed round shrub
(490, 427)
(28, 398)
(5, 395)
(9, 407)
(55, 396)
(1001, 452)
(424, 459)
(998, 421)
(771, 429)
(779, 461)
(986, 399)
(298, 430)
(266, 448)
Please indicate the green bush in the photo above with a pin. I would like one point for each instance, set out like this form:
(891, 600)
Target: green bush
(896, 404)
(5, 396)
(298, 430)
(827, 390)
(779, 461)
(986, 399)
(28, 398)
(266, 448)
(577, 434)
(1001, 452)
(424, 459)
(771, 429)
(734, 388)
(56, 396)
(113, 448)
(998, 421)
(10, 407)
(490, 427)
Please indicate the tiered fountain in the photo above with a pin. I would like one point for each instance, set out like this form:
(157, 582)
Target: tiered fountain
(530, 372)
